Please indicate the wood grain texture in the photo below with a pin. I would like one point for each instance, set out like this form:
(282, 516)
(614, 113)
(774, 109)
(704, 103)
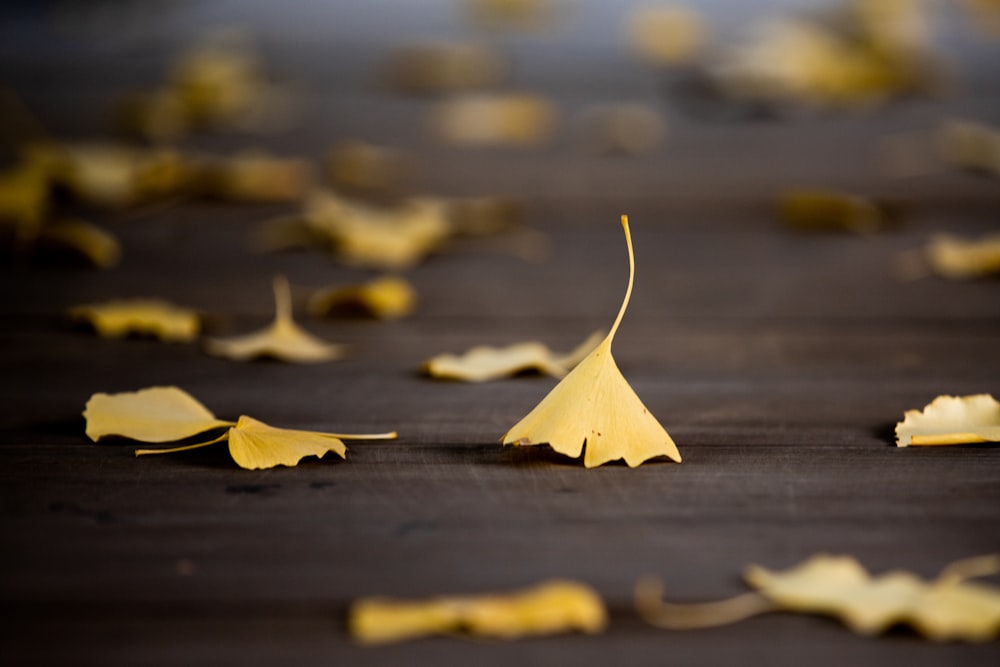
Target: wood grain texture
(778, 361)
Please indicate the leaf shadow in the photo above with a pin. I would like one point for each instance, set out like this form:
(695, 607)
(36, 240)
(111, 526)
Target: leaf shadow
(886, 432)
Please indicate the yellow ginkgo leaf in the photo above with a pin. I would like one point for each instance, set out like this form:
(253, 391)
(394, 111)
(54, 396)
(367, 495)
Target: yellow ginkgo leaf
(156, 414)
(153, 317)
(392, 238)
(947, 608)
(951, 420)
(595, 406)
(255, 176)
(255, 445)
(99, 247)
(386, 298)
(483, 362)
(548, 608)
(283, 339)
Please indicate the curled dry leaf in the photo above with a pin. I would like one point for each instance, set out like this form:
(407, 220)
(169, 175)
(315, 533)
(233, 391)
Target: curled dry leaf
(551, 607)
(445, 67)
(152, 317)
(947, 608)
(483, 363)
(283, 339)
(665, 34)
(513, 119)
(951, 420)
(156, 414)
(385, 298)
(595, 406)
(97, 246)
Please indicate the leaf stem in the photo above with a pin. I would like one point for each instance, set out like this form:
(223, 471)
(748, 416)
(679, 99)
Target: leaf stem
(184, 448)
(651, 607)
(391, 435)
(282, 299)
(631, 278)
(970, 568)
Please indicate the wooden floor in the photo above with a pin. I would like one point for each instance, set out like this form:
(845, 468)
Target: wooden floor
(778, 361)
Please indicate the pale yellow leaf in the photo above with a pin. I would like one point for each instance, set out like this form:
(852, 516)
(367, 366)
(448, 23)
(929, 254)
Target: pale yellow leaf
(115, 176)
(665, 34)
(826, 210)
(947, 608)
(959, 259)
(482, 363)
(386, 298)
(551, 607)
(283, 339)
(951, 420)
(970, 145)
(156, 414)
(510, 119)
(254, 445)
(595, 406)
(98, 246)
(153, 317)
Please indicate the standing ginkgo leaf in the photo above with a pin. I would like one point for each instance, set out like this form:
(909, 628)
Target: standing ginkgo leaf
(595, 406)
(283, 339)
(156, 414)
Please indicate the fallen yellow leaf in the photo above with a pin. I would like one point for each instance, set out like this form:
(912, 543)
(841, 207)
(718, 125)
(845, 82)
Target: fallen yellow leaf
(960, 259)
(386, 298)
(951, 420)
(153, 317)
(665, 34)
(387, 238)
(947, 608)
(825, 210)
(156, 414)
(549, 608)
(595, 406)
(255, 445)
(255, 176)
(511, 119)
(483, 362)
(368, 169)
(283, 339)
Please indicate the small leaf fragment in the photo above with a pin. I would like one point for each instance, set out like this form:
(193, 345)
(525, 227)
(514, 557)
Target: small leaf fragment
(153, 317)
(256, 177)
(386, 298)
(626, 129)
(825, 210)
(482, 363)
(595, 406)
(551, 607)
(951, 420)
(444, 67)
(283, 339)
(155, 414)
